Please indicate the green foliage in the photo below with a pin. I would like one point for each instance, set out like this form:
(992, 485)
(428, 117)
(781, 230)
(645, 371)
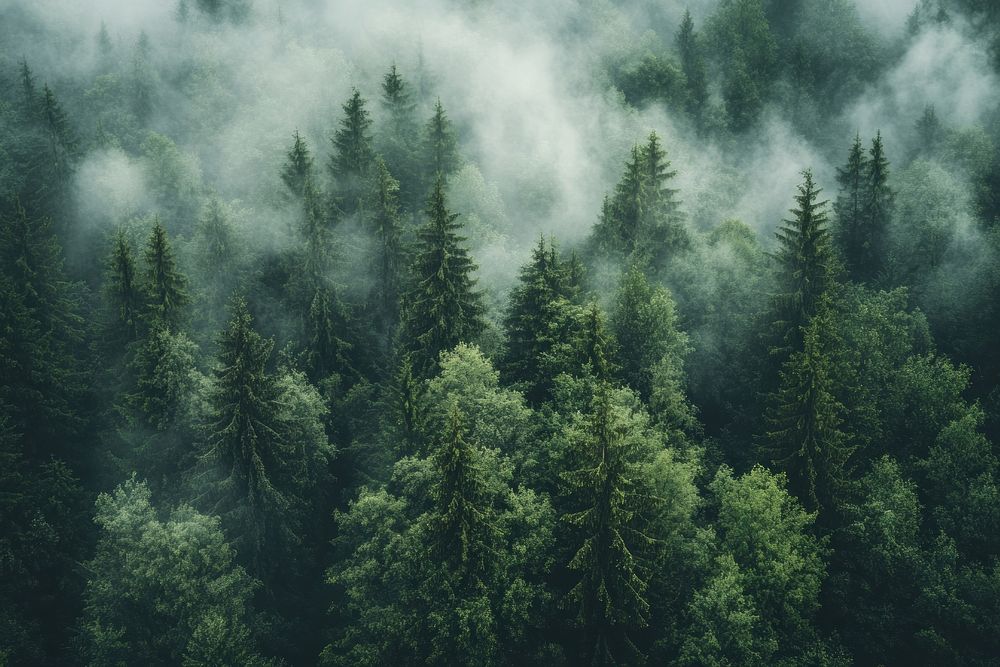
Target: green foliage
(440, 146)
(353, 154)
(165, 286)
(388, 251)
(164, 591)
(443, 308)
(806, 266)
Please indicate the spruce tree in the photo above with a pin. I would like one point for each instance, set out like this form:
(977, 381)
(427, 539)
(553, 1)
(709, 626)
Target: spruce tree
(297, 172)
(804, 415)
(542, 291)
(385, 225)
(327, 352)
(662, 231)
(243, 451)
(29, 93)
(123, 290)
(877, 208)
(850, 205)
(443, 308)
(399, 140)
(352, 156)
(440, 146)
(806, 266)
(693, 66)
(165, 286)
(607, 500)
(462, 522)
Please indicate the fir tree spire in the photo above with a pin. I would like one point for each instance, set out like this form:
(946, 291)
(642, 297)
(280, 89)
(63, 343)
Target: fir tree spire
(166, 286)
(443, 308)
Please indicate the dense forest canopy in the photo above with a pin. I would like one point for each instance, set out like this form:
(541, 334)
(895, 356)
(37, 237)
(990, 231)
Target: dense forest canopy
(607, 332)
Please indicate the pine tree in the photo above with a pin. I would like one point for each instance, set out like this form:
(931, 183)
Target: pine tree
(297, 172)
(440, 146)
(463, 533)
(929, 131)
(244, 445)
(542, 290)
(384, 211)
(609, 596)
(123, 290)
(877, 207)
(444, 307)
(662, 230)
(29, 92)
(398, 143)
(806, 440)
(166, 286)
(327, 353)
(693, 66)
(806, 266)
(352, 153)
(849, 232)
(43, 340)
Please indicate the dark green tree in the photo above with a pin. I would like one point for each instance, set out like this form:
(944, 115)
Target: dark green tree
(806, 439)
(297, 172)
(443, 308)
(243, 450)
(399, 139)
(123, 290)
(542, 293)
(806, 267)
(352, 157)
(165, 286)
(693, 66)
(327, 353)
(440, 146)
(388, 252)
(607, 501)
(877, 211)
(849, 233)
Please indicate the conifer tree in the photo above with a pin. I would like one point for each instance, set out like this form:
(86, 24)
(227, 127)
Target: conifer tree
(123, 289)
(806, 440)
(443, 308)
(29, 92)
(607, 500)
(244, 445)
(399, 140)
(693, 66)
(462, 520)
(806, 266)
(542, 291)
(662, 232)
(352, 156)
(644, 323)
(877, 208)
(440, 146)
(297, 172)
(384, 211)
(327, 352)
(166, 286)
(850, 204)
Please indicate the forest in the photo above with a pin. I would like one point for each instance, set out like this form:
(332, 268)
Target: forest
(500, 332)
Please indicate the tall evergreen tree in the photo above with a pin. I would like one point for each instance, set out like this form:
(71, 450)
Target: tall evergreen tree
(352, 156)
(462, 527)
(384, 212)
(693, 66)
(398, 141)
(877, 209)
(806, 266)
(607, 500)
(166, 286)
(663, 232)
(440, 146)
(243, 450)
(542, 292)
(806, 440)
(327, 352)
(297, 172)
(443, 308)
(849, 233)
(123, 290)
